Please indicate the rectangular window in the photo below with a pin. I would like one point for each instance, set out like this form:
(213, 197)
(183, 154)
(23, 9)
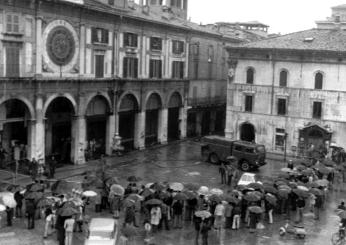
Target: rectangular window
(99, 35)
(12, 23)
(130, 40)
(317, 110)
(178, 47)
(155, 43)
(196, 69)
(280, 138)
(130, 67)
(248, 103)
(281, 106)
(99, 66)
(155, 70)
(178, 69)
(12, 61)
(195, 50)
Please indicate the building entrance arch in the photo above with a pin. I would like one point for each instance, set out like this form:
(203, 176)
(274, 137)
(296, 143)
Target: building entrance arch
(153, 107)
(247, 132)
(59, 115)
(127, 120)
(15, 128)
(174, 111)
(96, 115)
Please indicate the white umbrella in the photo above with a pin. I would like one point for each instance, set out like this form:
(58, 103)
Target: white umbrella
(148, 185)
(303, 188)
(89, 194)
(7, 199)
(2, 207)
(203, 190)
(216, 191)
(176, 186)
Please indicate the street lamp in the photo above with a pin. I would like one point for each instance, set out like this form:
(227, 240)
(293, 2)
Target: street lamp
(285, 150)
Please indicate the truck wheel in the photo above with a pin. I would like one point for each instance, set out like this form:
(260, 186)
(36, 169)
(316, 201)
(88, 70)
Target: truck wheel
(213, 158)
(245, 166)
(205, 156)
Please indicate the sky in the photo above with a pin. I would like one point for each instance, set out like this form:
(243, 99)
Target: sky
(283, 16)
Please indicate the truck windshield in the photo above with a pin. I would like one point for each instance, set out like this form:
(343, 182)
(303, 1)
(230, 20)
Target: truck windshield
(261, 149)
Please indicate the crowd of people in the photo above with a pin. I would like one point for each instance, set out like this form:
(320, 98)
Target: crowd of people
(302, 186)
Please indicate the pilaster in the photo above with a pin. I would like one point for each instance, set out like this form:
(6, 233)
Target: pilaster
(163, 126)
(139, 141)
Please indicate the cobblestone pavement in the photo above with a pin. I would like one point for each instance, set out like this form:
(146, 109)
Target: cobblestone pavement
(181, 162)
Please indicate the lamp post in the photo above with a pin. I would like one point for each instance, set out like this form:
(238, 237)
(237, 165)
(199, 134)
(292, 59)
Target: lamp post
(285, 150)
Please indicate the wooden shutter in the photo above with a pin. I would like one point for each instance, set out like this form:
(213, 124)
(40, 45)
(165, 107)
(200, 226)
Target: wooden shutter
(99, 66)
(160, 68)
(135, 68)
(181, 69)
(151, 69)
(93, 35)
(135, 40)
(125, 65)
(12, 61)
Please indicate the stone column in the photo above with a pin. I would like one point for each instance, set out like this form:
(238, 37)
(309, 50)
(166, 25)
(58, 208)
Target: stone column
(39, 130)
(139, 141)
(39, 46)
(110, 133)
(199, 117)
(187, 53)
(31, 139)
(79, 135)
(163, 126)
(183, 122)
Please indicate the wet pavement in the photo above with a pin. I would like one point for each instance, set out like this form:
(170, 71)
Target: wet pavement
(181, 162)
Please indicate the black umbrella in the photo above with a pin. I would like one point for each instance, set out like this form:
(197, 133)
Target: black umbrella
(153, 201)
(66, 212)
(133, 179)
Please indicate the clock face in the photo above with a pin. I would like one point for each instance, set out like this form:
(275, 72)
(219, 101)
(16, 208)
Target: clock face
(60, 45)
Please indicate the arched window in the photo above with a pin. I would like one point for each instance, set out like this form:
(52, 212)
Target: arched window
(250, 75)
(318, 80)
(283, 78)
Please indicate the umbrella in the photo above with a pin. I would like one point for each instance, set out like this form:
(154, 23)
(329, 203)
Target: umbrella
(180, 196)
(313, 185)
(215, 198)
(77, 201)
(135, 197)
(300, 167)
(111, 181)
(256, 209)
(256, 186)
(44, 202)
(128, 202)
(283, 193)
(292, 185)
(316, 192)
(216, 191)
(66, 212)
(307, 172)
(286, 170)
(241, 187)
(322, 169)
(270, 189)
(117, 189)
(154, 201)
(342, 214)
(157, 186)
(204, 214)
(176, 186)
(7, 199)
(280, 183)
(322, 182)
(190, 194)
(301, 193)
(232, 199)
(284, 176)
(285, 187)
(252, 197)
(2, 207)
(271, 199)
(191, 186)
(147, 192)
(89, 194)
(63, 187)
(303, 188)
(305, 162)
(129, 231)
(148, 185)
(33, 195)
(328, 162)
(36, 187)
(133, 179)
(69, 204)
(203, 190)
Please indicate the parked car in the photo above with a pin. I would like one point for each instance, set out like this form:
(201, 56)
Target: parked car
(102, 231)
(249, 155)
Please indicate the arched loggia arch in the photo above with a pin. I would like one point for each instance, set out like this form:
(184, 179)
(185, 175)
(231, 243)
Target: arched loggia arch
(174, 105)
(152, 108)
(247, 132)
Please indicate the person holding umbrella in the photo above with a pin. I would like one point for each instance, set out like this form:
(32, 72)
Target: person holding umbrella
(30, 211)
(18, 196)
(177, 213)
(155, 217)
(9, 215)
(300, 203)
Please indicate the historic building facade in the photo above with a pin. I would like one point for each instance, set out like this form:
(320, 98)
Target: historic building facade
(79, 72)
(288, 92)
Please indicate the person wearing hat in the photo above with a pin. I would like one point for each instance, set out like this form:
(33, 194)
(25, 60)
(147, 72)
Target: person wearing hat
(290, 164)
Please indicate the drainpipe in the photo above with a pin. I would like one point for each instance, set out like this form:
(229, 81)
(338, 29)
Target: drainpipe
(273, 83)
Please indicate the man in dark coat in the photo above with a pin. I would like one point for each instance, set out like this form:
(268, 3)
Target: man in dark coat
(30, 210)
(9, 215)
(19, 200)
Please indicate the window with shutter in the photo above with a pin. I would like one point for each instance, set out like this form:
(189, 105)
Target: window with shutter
(130, 40)
(99, 35)
(248, 103)
(12, 23)
(281, 106)
(317, 110)
(130, 67)
(177, 47)
(155, 43)
(155, 69)
(178, 69)
(99, 66)
(12, 61)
